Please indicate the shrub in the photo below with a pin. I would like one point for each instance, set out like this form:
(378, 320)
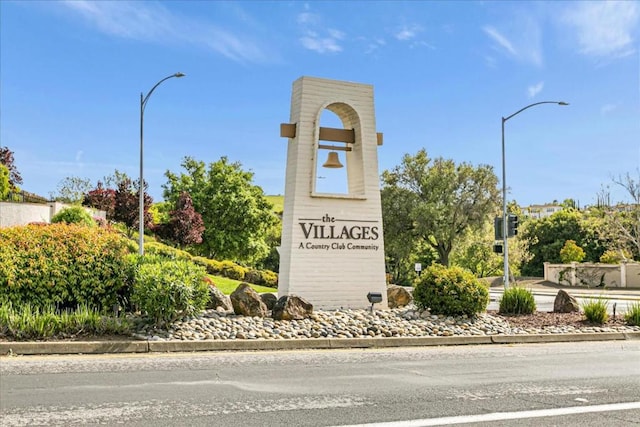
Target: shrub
(614, 257)
(450, 291)
(262, 277)
(517, 300)
(232, 270)
(213, 267)
(595, 310)
(64, 265)
(74, 215)
(269, 278)
(632, 316)
(571, 252)
(168, 290)
(156, 248)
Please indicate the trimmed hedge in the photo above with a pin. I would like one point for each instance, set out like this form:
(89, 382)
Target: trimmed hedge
(450, 291)
(64, 265)
(156, 248)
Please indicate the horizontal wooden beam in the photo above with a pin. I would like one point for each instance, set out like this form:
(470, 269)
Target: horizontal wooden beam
(334, 147)
(288, 130)
(337, 135)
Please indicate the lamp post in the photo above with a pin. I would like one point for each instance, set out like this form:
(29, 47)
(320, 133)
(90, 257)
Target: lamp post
(143, 104)
(505, 218)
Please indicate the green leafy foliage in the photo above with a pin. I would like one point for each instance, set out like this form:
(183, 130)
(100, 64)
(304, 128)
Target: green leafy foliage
(232, 270)
(64, 265)
(595, 310)
(438, 200)
(612, 256)
(26, 322)
(168, 290)
(517, 300)
(169, 252)
(235, 212)
(73, 215)
(545, 238)
(450, 291)
(262, 277)
(632, 316)
(571, 252)
(5, 187)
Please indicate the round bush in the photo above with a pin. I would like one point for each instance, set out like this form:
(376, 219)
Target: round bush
(74, 215)
(450, 291)
(516, 300)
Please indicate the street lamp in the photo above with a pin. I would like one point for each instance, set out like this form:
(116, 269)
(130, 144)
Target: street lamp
(505, 218)
(143, 104)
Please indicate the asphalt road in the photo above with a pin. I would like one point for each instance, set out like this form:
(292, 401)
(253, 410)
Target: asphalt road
(587, 384)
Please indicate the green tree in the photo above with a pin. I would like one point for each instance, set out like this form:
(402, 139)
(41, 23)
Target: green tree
(72, 189)
(236, 214)
(4, 182)
(546, 236)
(448, 199)
(475, 252)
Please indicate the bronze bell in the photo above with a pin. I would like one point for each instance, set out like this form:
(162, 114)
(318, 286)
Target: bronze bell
(333, 161)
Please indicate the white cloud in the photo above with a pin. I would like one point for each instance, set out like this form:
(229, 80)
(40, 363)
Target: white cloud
(535, 89)
(500, 39)
(79, 155)
(313, 41)
(408, 32)
(604, 28)
(316, 37)
(152, 22)
(523, 44)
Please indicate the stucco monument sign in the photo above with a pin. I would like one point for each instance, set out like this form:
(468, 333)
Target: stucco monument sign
(332, 251)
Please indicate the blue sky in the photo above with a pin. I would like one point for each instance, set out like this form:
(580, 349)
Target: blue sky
(444, 73)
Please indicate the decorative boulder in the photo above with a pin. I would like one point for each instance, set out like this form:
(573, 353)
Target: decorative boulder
(247, 302)
(398, 296)
(218, 300)
(291, 307)
(565, 303)
(269, 300)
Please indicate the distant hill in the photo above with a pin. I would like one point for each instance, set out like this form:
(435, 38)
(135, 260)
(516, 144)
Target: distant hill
(277, 202)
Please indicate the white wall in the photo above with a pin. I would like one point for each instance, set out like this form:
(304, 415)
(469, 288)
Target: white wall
(12, 214)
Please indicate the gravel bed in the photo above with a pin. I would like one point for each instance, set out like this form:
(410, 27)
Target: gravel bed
(347, 323)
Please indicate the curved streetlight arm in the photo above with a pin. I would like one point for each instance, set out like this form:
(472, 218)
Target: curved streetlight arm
(143, 103)
(504, 119)
(505, 216)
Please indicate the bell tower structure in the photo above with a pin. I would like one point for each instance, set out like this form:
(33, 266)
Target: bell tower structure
(332, 250)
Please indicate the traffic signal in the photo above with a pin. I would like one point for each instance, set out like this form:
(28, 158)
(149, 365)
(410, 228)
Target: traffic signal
(512, 225)
(498, 228)
(497, 248)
